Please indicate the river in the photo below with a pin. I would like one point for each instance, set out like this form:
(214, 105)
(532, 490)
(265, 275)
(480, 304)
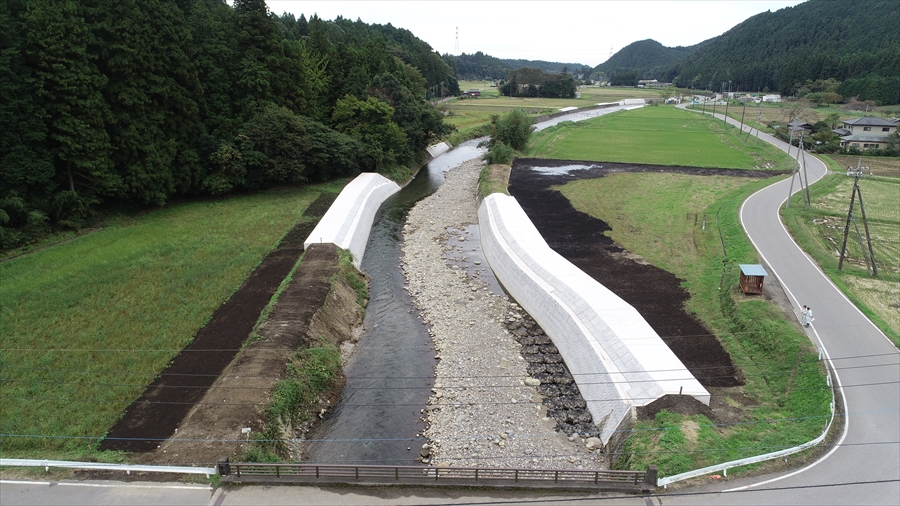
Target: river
(377, 420)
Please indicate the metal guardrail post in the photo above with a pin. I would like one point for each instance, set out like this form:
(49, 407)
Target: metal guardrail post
(224, 466)
(651, 476)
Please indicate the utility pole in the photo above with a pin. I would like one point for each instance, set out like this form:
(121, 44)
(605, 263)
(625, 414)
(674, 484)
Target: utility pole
(856, 191)
(725, 121)
(743, 111)
(794, 172)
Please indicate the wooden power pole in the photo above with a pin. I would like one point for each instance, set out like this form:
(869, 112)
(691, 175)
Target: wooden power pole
(871, 254)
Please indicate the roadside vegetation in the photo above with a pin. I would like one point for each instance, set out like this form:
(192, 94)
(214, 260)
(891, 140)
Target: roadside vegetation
(820, 232)
(661, 135)
(85, 325)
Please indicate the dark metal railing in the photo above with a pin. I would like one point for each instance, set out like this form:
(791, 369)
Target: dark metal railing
(418, 475)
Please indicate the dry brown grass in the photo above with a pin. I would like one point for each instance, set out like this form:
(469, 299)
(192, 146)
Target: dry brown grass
(880, 165)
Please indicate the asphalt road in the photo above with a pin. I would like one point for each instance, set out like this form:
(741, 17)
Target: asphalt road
(862, 468)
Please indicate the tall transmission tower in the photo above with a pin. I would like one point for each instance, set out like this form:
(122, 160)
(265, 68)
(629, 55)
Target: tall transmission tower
(611, 51)
(456, 47)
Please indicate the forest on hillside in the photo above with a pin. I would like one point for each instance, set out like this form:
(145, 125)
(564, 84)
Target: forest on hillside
(646, 58)
(134, 102)
(856, 43)
(478, 66)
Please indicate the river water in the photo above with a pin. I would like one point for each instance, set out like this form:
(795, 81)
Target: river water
(378, 418)
(390, 375)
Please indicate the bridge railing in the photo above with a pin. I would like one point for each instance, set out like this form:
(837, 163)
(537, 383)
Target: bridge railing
(418, 475)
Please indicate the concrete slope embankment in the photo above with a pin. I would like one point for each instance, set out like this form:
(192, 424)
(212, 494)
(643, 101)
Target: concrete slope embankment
(618, 361)
(348, 222)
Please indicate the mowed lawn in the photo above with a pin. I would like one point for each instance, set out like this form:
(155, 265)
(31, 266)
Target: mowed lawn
(660, 135)
(85, 325)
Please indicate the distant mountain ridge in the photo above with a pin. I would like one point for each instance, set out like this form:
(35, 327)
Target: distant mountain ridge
(647, 58)
(857, 43)
(472, 67)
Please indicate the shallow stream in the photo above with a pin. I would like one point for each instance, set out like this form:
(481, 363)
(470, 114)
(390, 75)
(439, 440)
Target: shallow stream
(378, 418)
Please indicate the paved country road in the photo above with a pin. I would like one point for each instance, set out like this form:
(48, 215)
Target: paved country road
(862, 468)
(867, 366)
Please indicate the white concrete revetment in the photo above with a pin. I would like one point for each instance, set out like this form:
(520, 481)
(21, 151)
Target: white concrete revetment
(618, 361)
(348, 222)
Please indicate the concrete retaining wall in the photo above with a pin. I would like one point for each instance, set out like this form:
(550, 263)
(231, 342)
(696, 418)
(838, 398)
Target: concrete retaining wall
(437, 150)
(349, 219)
(618, 361)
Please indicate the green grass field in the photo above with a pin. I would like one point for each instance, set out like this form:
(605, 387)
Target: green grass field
(660, 135)
(820, 231)
(85, 325)
(679, 222)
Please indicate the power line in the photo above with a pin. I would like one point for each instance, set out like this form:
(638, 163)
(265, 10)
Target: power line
(455, 405)
(423, 387)
(776, 369)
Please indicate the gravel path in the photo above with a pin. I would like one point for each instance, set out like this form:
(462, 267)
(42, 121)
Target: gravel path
(481, 412)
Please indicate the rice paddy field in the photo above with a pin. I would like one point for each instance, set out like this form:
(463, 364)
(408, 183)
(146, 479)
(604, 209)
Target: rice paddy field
(662, 135)
(86, 324)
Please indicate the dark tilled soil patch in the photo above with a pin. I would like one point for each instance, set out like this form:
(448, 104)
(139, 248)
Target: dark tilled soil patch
(213, 428)
(155, 415)
(655, 293)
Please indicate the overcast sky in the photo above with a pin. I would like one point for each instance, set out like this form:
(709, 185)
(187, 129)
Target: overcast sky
(560, 31)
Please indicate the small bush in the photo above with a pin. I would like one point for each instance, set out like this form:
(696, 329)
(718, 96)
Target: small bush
(499, 153)
(512, 129)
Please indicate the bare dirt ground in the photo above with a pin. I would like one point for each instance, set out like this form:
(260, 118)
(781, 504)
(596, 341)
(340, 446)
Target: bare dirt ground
(655, 293)
(154, 417)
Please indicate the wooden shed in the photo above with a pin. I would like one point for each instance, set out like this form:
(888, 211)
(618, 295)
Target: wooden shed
(752, 276)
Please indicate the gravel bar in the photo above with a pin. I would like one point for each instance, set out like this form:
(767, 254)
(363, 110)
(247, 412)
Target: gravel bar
(486, 410)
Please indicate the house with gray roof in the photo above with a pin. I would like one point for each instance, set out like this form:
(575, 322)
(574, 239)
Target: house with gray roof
(867, 132)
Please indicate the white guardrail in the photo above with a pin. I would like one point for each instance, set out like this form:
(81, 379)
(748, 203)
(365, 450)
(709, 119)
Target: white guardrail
(47, 464)
(724, 467)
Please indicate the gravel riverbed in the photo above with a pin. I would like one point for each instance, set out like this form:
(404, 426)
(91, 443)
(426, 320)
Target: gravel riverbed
(489, 406)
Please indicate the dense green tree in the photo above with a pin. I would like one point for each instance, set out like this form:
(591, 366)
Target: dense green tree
(69, 87)
(26, 168)
(371, 122)
(150, 94)
(136, 101)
